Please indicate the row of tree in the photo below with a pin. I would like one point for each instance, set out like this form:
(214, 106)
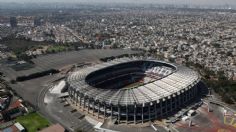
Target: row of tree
(36, 75)
(218, 82)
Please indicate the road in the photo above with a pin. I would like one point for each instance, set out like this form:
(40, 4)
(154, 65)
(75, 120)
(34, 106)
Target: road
(52, 107)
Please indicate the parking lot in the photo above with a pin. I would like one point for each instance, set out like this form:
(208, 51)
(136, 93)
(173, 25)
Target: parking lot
(58, 110)
(205, 121)
(59, 60)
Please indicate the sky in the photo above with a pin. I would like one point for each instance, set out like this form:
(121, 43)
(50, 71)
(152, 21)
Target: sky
(189, 2)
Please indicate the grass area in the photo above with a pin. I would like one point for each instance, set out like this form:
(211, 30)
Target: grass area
(20, 45)
(33, 122)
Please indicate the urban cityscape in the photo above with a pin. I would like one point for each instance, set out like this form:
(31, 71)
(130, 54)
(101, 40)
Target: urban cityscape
(117, 66)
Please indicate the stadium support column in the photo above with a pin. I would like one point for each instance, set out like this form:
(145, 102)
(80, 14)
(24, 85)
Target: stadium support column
(74, 93)
(105, 109)
(93, 106)
(176, 101)
(127, 112)
(186, 97)
(84, 103)
(80, 100)
(183, 98)
(191, 93)
(149, 112)
(194, 92)
(88, 105)
(171, 101)
(77, 98)
(161, 107)
(179, 98)
(98, 109)
(142, 113)
(69, 92)
(118, 114)
(155, 107)
(166, 104)
(134, 114)
(111, 112)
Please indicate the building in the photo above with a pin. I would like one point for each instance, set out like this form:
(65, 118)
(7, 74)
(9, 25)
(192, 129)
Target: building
(25, 21)
(133, 90)
(13, 22)
(17, 127)
(4, 21)
(38, 21)
(14, 110)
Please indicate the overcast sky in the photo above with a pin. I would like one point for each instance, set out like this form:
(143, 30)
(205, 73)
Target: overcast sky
(196, 2)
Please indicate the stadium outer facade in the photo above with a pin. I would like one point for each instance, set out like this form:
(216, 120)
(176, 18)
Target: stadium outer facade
(151, 100)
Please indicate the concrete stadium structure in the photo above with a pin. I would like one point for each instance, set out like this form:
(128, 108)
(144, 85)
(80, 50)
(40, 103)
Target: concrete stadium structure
(133, 90)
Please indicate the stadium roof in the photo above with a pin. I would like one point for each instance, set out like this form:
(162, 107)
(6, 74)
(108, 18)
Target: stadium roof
(178, 81)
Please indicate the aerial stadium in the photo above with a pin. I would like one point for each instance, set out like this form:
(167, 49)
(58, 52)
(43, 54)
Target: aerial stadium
(133, 90)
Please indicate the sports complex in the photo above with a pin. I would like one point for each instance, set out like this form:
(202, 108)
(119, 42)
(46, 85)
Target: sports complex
(133, 90)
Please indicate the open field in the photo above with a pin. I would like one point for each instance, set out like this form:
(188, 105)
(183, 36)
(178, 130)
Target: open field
(33, 122)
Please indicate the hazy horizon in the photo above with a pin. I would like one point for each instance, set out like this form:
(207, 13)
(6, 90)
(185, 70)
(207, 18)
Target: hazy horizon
(188, 2)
